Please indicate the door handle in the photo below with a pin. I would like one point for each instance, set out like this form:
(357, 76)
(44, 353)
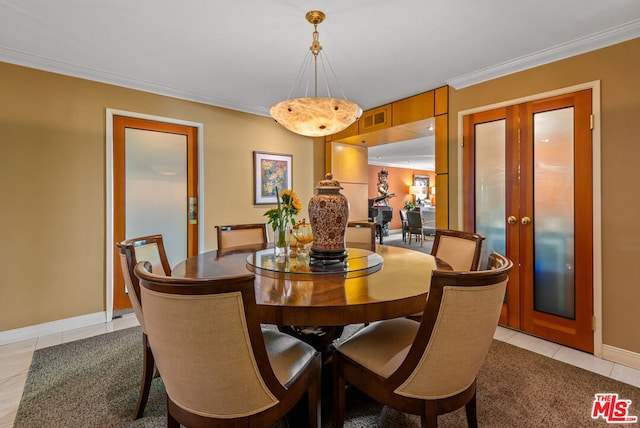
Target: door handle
(526, 220)
(512, 220)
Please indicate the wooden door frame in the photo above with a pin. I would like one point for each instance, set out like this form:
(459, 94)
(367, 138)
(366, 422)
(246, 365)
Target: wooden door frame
(597, 186)
(109, 212)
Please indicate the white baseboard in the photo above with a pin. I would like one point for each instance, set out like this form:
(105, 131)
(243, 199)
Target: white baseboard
(621, 356)
(59, 326)
(609, 353)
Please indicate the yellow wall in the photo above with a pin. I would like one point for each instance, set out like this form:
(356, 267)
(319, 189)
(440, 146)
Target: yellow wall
(52, 184)
(617, 69)
(52, 188)
(348, 164)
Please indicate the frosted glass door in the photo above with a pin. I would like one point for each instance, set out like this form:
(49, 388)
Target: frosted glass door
(553, 205)
(528, 188)
(156, 189)
(490, 186)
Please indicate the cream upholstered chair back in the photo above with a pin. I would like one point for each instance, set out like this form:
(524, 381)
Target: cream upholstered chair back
(361, 234)
(461, 250)
(209, 347)
(132, 251)
(208, 353)
(427, 368)
(238, 235)
(461, 330)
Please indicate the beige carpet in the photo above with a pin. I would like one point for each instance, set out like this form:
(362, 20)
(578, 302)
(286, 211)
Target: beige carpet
(395, 240)
(94, 383)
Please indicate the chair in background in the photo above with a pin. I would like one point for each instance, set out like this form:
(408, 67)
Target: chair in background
(361, 234)
(381, 215)
(405, 225)
(427, 368)
(132, 251)
(428, 214)
(461, 250)
(238, 235)
(414, 226)
(218, 367)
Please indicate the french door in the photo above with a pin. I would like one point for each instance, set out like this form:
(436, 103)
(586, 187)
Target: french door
(527, 183)
(155, 189)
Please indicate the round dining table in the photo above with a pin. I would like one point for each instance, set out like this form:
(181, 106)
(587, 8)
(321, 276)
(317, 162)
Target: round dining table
(389, 283)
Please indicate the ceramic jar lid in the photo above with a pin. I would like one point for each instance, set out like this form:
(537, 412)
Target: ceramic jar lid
(329, 183)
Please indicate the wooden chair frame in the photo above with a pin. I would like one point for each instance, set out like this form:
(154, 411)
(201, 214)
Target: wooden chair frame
(307, 382)
(471, 236)
(127, 248)
(382, 389)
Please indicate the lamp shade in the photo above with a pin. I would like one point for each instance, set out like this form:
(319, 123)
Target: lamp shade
(316, 116)
(415, 190)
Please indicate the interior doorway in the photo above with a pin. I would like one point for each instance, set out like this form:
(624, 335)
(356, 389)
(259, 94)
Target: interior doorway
(528, 187)
(410, 164)
(155, 182)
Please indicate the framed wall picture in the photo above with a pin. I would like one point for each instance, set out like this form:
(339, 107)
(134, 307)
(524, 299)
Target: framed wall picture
(421, 181)
(270, 170)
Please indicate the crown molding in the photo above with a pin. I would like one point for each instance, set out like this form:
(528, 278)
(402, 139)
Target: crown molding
(47, 64)
(592, 42)
(621, 33)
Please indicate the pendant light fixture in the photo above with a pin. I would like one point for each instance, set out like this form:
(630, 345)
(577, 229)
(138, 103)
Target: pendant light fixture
(315, 116)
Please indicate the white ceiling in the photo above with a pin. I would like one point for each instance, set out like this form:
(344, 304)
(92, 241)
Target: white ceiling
(419, 153)
(244, 55)
(411, 154)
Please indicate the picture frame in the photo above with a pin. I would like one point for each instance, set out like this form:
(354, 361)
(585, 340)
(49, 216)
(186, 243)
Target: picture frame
(271, 170)
(421, 181)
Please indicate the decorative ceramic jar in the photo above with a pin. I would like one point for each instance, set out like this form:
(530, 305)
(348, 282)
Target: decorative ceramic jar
(329, 213)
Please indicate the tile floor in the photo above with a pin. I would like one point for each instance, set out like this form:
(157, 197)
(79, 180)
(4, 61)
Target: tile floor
(15, 359)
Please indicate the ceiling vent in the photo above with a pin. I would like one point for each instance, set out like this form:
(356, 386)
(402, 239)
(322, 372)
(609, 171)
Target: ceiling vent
(375, 119)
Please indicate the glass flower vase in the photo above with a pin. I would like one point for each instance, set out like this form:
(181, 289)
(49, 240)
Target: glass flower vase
(281, 242)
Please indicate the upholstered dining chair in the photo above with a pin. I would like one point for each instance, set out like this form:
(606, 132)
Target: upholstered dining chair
(218, 367)
(405, 224)
(237, 235)
(460, 249)
(427, 368)
(361, 234)
(415, 226)
(151, 249)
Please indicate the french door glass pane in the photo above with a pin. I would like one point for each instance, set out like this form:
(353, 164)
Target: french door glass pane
(490, 184)
(554, 285)
(156, 189)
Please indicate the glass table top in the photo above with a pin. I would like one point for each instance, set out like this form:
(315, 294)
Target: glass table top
(358, 262)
